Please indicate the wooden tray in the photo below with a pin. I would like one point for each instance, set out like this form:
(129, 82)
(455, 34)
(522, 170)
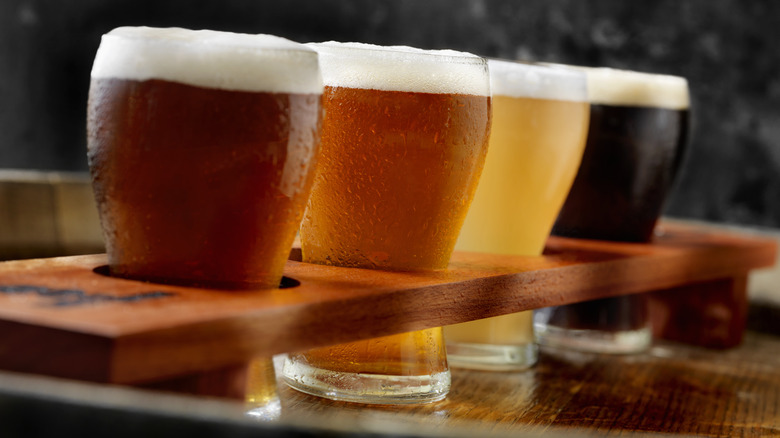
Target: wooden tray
(61, 317)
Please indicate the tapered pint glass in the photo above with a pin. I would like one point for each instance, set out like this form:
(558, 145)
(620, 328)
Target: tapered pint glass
(637, 136)
(404, 140)
(202, 146)
(540, 122)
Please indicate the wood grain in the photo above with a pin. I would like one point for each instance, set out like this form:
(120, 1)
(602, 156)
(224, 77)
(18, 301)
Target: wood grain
(136, 332)
(671, 389)
(47, 214)
(229, 382)
(710, 314)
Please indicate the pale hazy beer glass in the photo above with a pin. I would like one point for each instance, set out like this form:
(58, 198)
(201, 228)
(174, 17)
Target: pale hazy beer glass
(202, 146)
(540, 122)
(636, 139)
(404, 140)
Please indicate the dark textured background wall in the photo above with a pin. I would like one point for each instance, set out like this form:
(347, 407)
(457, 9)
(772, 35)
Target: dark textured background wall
(726, 48)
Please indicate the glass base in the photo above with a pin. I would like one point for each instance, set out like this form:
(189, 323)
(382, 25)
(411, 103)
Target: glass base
(262, 400)
(365, 388)
(595, 341)
(270, 411)
(491, 357)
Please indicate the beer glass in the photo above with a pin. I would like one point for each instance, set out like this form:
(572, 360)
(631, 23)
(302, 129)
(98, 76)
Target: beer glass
(540, 122)
(403, 144)
(637, 135)
(202, 146)
(262, 400)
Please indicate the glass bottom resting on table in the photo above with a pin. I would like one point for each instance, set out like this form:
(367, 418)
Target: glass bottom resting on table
(396, 369)
(617, 325)
(262, 400)
(501, 343)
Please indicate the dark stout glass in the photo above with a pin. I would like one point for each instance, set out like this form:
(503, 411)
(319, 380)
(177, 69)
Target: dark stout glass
(630, 161)
(637, 136)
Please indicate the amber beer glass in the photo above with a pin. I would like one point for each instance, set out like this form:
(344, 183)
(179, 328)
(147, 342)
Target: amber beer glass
(637, 135)
(404, 141)
(540, 122)
(202, 146)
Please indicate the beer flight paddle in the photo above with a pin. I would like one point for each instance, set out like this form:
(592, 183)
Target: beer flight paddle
(202, 165)
(62, 317)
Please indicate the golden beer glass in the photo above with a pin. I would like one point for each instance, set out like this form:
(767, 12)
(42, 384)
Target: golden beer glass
(636, 139)
(540, 122)
(202, 147)
(403, 144)
(262, 400)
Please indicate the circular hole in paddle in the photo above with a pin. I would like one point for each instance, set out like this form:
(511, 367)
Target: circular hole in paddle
(286, 282)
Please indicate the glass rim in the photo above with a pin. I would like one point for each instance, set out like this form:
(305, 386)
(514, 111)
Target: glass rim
(211, 59)
(401, 68)
(158, 37)
(536, 66)
(396, 52)
(623, 87)
(614, 70)
(523, 79)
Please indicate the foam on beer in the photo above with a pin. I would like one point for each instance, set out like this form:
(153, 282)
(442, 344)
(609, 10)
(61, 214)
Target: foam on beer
(210, 59)
(515, 79)
(609, 86)
(402, 68)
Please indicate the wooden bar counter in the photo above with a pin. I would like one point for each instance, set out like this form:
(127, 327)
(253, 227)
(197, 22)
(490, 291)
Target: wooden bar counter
(673, 389)
(82, 353)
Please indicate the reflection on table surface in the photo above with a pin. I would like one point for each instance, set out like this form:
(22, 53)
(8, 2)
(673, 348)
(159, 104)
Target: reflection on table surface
(672, 388)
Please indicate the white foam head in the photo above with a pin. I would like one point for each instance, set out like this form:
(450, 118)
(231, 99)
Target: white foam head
(516, 79)
(610, 86)
(206, 58)
(401, 68)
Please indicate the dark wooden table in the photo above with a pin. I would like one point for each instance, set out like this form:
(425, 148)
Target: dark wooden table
(673, 388)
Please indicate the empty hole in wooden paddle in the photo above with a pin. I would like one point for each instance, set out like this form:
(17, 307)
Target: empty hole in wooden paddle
(288, 282)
